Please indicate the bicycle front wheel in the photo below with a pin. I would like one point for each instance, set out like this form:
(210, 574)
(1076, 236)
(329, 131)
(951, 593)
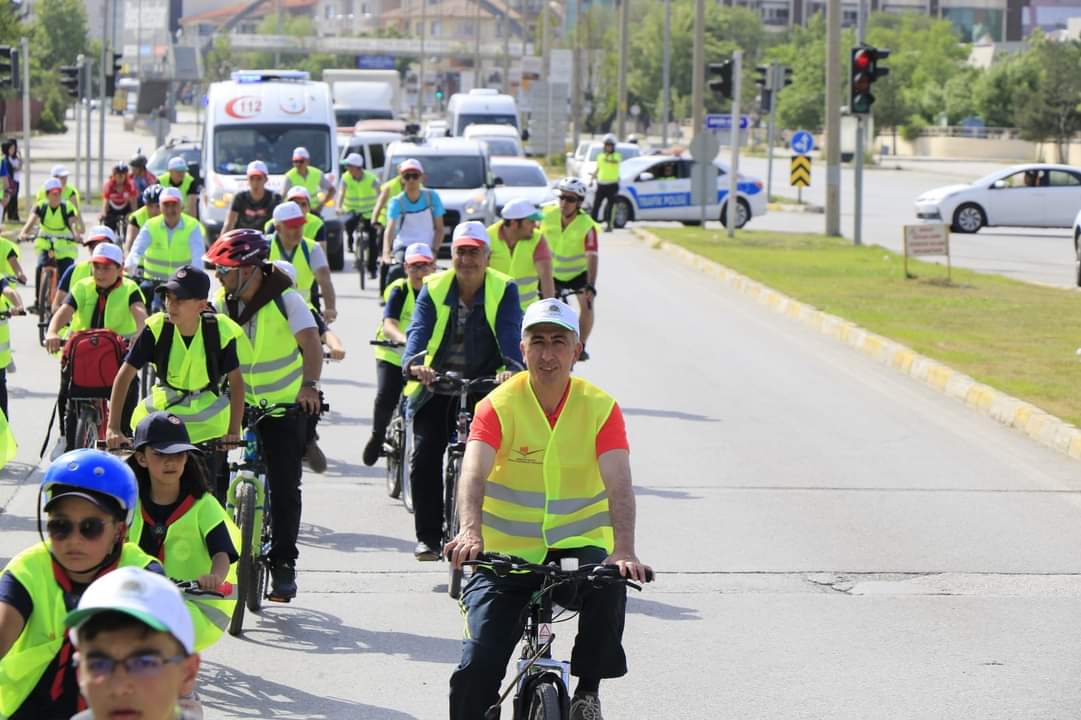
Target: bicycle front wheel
(544, 703)
(407, 482)
(392, 449)
(450, 510)
(360, 247)
(245, 519)
(44, 306)
(86, 429)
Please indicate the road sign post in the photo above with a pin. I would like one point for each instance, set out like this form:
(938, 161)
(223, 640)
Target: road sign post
(704, 148)
(731, 199)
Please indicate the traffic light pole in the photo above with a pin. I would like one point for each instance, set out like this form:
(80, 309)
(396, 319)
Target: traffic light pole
(857, 201)
(25, 43)
(775, 81)
(79, 61)
(732, 201)
(833, 118)
(106, 57)
(698, 82)
(89, 70)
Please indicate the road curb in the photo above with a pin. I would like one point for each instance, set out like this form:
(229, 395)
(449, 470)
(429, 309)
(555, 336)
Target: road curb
(788, 207)
(1037, 424)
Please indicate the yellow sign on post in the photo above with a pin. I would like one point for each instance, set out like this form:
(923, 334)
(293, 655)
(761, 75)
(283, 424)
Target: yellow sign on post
(800, 175)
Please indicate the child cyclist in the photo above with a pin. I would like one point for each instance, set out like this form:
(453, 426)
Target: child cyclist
(138, 620)
(180, 522)
(89, 499)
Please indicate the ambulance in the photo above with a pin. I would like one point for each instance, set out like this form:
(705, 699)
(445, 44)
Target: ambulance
(264, 115)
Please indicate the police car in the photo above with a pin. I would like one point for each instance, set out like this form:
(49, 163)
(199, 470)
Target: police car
(658, 187)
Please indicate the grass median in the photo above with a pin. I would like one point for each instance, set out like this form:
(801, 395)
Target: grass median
(1016, 337)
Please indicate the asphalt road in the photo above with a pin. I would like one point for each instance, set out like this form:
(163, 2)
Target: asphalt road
(832, 538)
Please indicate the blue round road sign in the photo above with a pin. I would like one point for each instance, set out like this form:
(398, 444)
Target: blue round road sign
(802, 142)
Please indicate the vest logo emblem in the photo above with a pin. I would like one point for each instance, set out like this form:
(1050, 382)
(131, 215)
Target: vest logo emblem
(526, 456)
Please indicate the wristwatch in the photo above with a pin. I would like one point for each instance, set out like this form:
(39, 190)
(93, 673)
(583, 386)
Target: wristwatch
(313, 384)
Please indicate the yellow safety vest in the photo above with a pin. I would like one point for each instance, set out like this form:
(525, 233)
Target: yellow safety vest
(80, 271)
(300, 259)
(313, 183)
(164, 256)
(118, 317)
(393, 188)
(495, 286)
(272, 364)
(184, 556)
(6, 248)
(608, 167)
(518, 263)
(545, 490)
(44, 632)
(139, 217)
(389, 354)
(5, 335)
(184, 391)
(185, 183)
(359, 195)
(54, 224)
(568, 244)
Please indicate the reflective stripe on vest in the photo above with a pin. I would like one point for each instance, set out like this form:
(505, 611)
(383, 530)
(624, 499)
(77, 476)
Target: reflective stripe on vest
(118, 317)
(568, 244)
(166, 254)
(545, 490)
(185, 184)
(312, 183)
(185, 556)
(495, 285)
(43, 635)
(183, 392)
(518, 263)
(272, 364)
(389, 354)
(359, 195)
(608, 167)
(300, 259)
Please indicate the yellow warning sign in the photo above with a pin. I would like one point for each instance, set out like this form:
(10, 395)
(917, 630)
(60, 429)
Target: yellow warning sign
(801, 171)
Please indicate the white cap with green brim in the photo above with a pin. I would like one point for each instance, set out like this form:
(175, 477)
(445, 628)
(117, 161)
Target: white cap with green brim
(550, 311)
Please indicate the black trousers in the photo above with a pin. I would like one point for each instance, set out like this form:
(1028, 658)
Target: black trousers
(283, 440)
(494, 618)
(388, 393)
(606, 193)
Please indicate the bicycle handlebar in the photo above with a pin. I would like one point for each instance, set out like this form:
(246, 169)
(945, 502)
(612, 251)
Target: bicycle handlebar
(386, 343)
(503, 565)
(192, 587)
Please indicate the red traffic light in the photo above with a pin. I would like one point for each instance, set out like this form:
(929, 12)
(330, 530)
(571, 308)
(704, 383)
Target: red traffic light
(863, 59)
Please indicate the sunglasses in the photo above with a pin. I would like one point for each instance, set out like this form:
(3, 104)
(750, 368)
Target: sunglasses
(569, 199)
(418, 266)
(143, 666)
(61, 528)
(411, 176)
(222, 271)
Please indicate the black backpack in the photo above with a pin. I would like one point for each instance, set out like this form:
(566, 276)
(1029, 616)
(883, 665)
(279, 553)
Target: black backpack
(211, 341)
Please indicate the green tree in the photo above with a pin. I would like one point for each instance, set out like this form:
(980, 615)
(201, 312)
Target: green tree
(996, 89)
(59, 32)
(1050, 109)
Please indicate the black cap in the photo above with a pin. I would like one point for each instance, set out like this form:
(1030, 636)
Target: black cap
(164, 432)
(187, 283)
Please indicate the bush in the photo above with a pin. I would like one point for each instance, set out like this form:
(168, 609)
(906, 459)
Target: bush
(915, 126)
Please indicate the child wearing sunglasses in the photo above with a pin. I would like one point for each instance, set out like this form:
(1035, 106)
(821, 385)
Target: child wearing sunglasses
(182, 524)
(138, 620)
(89, 499)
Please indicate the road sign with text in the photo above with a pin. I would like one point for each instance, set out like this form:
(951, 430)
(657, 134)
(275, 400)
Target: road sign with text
(724, 122)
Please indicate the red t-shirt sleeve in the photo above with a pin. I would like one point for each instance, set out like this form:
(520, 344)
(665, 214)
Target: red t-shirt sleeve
(591, 241)
(542, 251)
(486, 426)
(613, 434)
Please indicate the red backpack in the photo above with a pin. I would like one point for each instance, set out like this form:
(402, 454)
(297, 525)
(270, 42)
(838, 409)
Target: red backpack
(91, 359)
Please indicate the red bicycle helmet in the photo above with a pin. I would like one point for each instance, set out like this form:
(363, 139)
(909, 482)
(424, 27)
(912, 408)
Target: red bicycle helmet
(238, 248)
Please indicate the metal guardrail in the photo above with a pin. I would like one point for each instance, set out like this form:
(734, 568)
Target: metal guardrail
(985, 133)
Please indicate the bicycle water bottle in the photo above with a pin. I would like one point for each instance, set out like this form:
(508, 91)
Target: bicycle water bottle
(250, 449)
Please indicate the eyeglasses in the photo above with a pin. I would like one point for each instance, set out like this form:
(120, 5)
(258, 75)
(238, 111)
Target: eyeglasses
(569, 199)
(222, 271)
(143, 666)
(61, 528)
(410, 176)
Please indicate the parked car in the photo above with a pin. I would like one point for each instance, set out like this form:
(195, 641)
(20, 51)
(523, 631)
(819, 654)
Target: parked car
(575, 159)
(1032, 195)
(658, 187)
(158, 162)
(521, 178)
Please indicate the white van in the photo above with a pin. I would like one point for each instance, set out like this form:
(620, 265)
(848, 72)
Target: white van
(501, 139)
(481, 106)
(263, 115)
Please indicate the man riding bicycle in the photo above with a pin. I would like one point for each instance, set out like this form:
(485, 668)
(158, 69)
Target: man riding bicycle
(59, 220)
(466, 320)
(252, 208)
(572, 233)
(119, 197)
(150, 208)
(546, 475)
(310, 178)
(282, 360)
(358, 191)
(168, 242)
(520, 250)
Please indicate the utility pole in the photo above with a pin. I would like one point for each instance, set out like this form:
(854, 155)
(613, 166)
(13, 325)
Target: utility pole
(621, 102)
(277, 31)
(698, 83)
(732, 200)
(774, 85)
(106, 57)
(423, 59)
(80, 62)
(138, 44)
(576, 72)
(857, 200)
(29, 192)
(547, 73)
(476, 46)
(89, 69)
(506, 47)
(833, 117)
(666, 96)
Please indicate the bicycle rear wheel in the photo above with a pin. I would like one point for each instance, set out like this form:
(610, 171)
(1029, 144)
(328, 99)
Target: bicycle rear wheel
(544, 702)
(450, 519)
(245, 520)
(407, 452)
(258, 589)
(86, 428)
(392, 449)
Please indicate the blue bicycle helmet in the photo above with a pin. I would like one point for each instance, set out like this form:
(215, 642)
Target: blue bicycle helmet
(152, 194)
(93, 470)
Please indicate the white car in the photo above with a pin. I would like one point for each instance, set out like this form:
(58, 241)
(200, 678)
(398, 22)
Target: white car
(521, 178)
(500, 139)
(588, 164)
(1033, 195)
(658, 187)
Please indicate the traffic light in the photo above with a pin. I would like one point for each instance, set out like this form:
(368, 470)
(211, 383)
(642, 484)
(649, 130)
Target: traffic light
(785, 77)
(719, 78)
(761, 76)
(69, 78)
(762, 81)
(9, 66)
(112, 72)
(864, 71)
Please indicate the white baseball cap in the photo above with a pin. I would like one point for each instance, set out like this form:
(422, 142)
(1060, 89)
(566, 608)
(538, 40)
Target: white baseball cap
(288, 268)
(419, 251)
(178, 163)
(550, 310)
(59, 171)
(472, 233)
(51, 185)
(149, 598)
(257, 167)
(298, 191)
(100, 232)
(355, 160)
(170, 194)
(107, 252)
(521, 209)
(288, 213)
(410, 164)
(301, 153)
